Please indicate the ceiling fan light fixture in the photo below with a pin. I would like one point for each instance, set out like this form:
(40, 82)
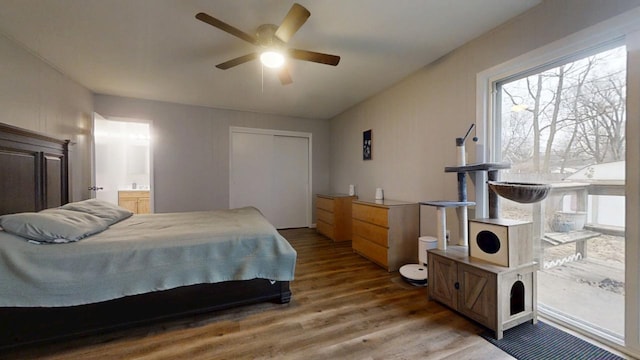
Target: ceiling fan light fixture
(272, 42)
(272, 59)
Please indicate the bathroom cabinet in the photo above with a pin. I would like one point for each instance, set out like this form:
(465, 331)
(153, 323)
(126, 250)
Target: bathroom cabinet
(137, 201)
(386, 232)
(333, 216)
(494, 296)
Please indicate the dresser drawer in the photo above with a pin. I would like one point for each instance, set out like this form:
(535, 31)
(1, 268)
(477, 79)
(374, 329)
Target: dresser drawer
(372, 214)
(325, 229)
(371, 232)
(370, 250)
(325, 204)
(325, 216)
(333, 216)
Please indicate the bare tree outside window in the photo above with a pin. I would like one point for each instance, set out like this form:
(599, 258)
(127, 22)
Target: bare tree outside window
(567, 117)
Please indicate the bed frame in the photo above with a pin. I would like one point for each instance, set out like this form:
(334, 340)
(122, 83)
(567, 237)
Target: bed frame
(34, 172)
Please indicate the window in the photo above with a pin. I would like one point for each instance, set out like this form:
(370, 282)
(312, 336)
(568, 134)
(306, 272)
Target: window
(564, 124)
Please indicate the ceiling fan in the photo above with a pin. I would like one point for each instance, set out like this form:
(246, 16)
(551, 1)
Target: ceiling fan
(272, 41)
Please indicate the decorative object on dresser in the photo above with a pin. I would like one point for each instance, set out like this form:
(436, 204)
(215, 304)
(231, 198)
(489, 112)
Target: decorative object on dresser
(386, 231)
(379, 194)
(137, 201)
(333, 216)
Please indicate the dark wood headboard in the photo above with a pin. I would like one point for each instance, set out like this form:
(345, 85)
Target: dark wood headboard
(34, 170)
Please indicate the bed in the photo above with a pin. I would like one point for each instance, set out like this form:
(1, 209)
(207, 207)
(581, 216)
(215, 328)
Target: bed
(70, 269)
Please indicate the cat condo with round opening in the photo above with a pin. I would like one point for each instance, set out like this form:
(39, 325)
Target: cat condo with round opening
(500, 241)
(490, 276)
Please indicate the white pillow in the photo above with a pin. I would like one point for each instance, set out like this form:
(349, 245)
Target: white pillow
(53, 225)
(105, 210)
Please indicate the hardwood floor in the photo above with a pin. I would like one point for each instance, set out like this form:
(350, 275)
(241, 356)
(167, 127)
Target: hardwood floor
(343, 307)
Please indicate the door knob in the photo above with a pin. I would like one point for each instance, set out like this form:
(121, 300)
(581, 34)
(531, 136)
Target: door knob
(95, 188)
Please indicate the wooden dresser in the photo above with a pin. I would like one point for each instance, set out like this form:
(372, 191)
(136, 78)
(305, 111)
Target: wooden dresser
(333, 216)
(136, 201)
(386, 232)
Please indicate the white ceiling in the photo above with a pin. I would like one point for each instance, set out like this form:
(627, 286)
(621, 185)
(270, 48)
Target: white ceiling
(156, 49)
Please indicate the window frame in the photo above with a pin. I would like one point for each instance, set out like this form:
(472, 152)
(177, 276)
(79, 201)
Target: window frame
(623, 29)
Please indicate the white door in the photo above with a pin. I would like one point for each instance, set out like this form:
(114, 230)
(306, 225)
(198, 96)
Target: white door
(250, 171)
(290, 184)
(270, 170)
(121, 157)
(106, 162)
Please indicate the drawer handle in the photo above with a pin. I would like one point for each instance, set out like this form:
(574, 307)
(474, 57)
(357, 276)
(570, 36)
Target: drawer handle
(456, 285)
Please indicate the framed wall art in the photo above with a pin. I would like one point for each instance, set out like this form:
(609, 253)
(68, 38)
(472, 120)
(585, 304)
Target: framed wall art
(366, 145)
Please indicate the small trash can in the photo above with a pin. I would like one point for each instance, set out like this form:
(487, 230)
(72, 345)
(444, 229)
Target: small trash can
(425, 243)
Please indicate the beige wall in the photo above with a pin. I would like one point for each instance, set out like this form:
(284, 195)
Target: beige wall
(191, 148)
(35, 96)
(415, 122)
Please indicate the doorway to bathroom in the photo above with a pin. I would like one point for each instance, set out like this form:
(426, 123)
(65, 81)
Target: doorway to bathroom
(122, 163)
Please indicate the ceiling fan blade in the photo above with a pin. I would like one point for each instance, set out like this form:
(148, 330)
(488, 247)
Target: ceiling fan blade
(226, 28)
(295, 18)
(237, 61)
(314, 56)
(285, 76)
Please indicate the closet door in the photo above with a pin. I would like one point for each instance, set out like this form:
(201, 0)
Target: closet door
(251, 171)
(290, 185)
(271, 172)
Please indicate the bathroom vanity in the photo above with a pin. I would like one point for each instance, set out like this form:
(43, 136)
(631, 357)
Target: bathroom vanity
(136, 201)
